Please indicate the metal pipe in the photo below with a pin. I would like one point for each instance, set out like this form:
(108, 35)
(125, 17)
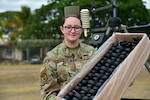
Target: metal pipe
(114, 8)
(102, 8)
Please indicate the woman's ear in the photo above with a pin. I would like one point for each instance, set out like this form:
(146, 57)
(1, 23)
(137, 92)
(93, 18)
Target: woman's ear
(61, 28)
(82, 30)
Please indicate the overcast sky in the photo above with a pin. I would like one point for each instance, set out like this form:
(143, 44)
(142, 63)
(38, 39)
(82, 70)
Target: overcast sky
(15, 5)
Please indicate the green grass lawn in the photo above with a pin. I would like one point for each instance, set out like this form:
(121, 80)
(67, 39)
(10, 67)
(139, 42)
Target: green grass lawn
(21, 82)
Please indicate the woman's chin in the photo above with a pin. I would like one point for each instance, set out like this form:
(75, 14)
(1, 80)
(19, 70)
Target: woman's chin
(73, 39)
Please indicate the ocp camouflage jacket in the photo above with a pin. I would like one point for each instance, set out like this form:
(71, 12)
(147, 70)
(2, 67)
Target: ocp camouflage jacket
(60, 65)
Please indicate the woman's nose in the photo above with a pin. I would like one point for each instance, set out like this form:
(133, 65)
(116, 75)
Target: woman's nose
(73, 29)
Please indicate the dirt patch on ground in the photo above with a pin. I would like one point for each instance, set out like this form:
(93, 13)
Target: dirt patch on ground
(21, 82)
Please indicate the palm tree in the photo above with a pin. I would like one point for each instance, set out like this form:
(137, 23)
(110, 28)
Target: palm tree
(1, 24)
(20, 20)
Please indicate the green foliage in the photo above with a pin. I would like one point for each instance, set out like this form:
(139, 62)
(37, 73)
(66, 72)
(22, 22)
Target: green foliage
(44, 22)
(132, 12)
(1, 24)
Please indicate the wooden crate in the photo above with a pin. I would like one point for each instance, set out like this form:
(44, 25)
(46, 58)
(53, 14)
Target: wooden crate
(125, 74)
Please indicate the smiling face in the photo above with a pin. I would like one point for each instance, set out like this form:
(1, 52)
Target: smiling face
(71, 29)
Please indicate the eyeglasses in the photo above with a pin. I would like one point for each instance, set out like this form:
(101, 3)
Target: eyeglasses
(69, 28)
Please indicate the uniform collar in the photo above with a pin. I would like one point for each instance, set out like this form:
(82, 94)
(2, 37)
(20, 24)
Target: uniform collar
(67, 49)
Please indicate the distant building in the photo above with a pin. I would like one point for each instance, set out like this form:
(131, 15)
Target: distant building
(23, 50)
(8, 52)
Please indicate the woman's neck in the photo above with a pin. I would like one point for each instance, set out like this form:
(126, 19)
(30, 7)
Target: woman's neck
(73, 44)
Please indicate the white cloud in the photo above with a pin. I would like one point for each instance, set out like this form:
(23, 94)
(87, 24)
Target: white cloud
(147, 3)
(15, 5)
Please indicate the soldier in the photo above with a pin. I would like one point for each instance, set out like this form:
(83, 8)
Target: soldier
(65, 60)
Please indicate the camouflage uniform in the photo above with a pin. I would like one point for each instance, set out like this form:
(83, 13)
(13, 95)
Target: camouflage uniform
(60, 65)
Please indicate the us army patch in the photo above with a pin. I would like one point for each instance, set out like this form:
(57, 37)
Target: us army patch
(44, 77)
